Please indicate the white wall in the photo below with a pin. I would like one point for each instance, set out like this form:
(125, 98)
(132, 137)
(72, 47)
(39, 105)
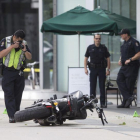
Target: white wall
(67, 46)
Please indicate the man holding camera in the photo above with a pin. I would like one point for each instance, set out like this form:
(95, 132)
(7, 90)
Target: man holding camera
(14, 51)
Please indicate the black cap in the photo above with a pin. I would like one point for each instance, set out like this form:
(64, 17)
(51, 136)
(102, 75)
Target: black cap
(124, 31)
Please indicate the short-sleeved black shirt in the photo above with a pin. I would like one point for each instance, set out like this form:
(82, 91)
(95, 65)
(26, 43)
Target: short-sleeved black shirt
(129, 49)
(2, 46)
(97, 54)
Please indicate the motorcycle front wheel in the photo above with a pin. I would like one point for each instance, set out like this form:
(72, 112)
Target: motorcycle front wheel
(37, 112)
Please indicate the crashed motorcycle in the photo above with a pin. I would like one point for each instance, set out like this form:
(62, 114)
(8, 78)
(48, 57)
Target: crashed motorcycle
(55, 111)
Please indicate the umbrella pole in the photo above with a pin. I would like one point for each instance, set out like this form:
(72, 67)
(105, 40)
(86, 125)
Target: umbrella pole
(79, 46)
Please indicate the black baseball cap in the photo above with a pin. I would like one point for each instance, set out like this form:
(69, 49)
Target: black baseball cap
(124, 31)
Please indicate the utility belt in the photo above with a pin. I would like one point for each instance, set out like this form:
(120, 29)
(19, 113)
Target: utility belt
(101, 65)
(20, 71)
(10, 68)
(2, 67)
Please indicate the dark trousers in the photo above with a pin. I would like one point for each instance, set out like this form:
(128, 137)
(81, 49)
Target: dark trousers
(13, 86)
(126, 80)
(101, 73)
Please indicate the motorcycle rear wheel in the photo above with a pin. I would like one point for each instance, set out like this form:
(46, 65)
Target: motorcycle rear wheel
(37, 112)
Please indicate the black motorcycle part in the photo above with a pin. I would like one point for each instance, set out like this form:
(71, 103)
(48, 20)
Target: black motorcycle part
(73, 103)
(34, 105)
(37, 112)
(51, 119)
(43, 122)
(55, 97)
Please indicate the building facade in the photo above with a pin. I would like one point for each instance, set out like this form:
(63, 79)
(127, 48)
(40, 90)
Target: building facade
(20, 14)
(58, 52)
(66, 47)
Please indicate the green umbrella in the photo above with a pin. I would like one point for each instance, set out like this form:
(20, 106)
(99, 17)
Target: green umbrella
(122, 22)
(79, 21)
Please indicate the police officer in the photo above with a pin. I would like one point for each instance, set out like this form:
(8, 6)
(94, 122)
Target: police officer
(99, 60)
(130, 53)
(14, 51)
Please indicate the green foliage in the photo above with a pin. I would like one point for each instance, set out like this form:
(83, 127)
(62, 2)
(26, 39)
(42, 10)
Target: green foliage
(123, 123)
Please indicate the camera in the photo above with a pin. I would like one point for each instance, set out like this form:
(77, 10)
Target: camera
(20, 45)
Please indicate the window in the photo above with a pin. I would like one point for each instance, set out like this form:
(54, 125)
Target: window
(125, 8)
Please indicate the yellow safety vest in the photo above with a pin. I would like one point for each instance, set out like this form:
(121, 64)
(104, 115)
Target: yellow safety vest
(13, 58)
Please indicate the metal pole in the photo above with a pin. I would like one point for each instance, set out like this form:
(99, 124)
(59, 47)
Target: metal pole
(41, 43)
(79, 46)
(138, 37)
(55, 85)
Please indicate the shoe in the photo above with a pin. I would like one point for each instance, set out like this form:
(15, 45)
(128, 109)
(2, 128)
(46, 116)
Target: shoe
(129, 101)
(92, 97)
(103, 106)
(35, 121)
(12, 120)
(122, 105)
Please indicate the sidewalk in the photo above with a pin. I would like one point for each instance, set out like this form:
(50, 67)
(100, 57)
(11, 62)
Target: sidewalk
(121, 125)
(37, 93)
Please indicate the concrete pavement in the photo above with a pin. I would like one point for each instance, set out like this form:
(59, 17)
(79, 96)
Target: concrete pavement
(122, 125)
(30, 94)
(37, 93)
(91, 128)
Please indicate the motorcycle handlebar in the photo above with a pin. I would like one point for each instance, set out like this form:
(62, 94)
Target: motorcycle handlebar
(85, 106)
(101, 115)
(90, 104)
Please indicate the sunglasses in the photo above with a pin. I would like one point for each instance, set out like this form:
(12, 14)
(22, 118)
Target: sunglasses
(98, 38)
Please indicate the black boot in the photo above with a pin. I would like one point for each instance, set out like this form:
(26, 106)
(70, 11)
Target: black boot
(103, 105)
(92, 96)
(11, 120)
(129, 101)
(122, 105)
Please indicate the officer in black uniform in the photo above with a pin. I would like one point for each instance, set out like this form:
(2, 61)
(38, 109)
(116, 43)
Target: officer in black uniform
(130, 53)
(99, 60)
(14, 55)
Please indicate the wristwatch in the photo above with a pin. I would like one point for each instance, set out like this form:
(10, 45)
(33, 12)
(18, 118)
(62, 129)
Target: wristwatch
(130, 59)
(108, 70)
(25, 51)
